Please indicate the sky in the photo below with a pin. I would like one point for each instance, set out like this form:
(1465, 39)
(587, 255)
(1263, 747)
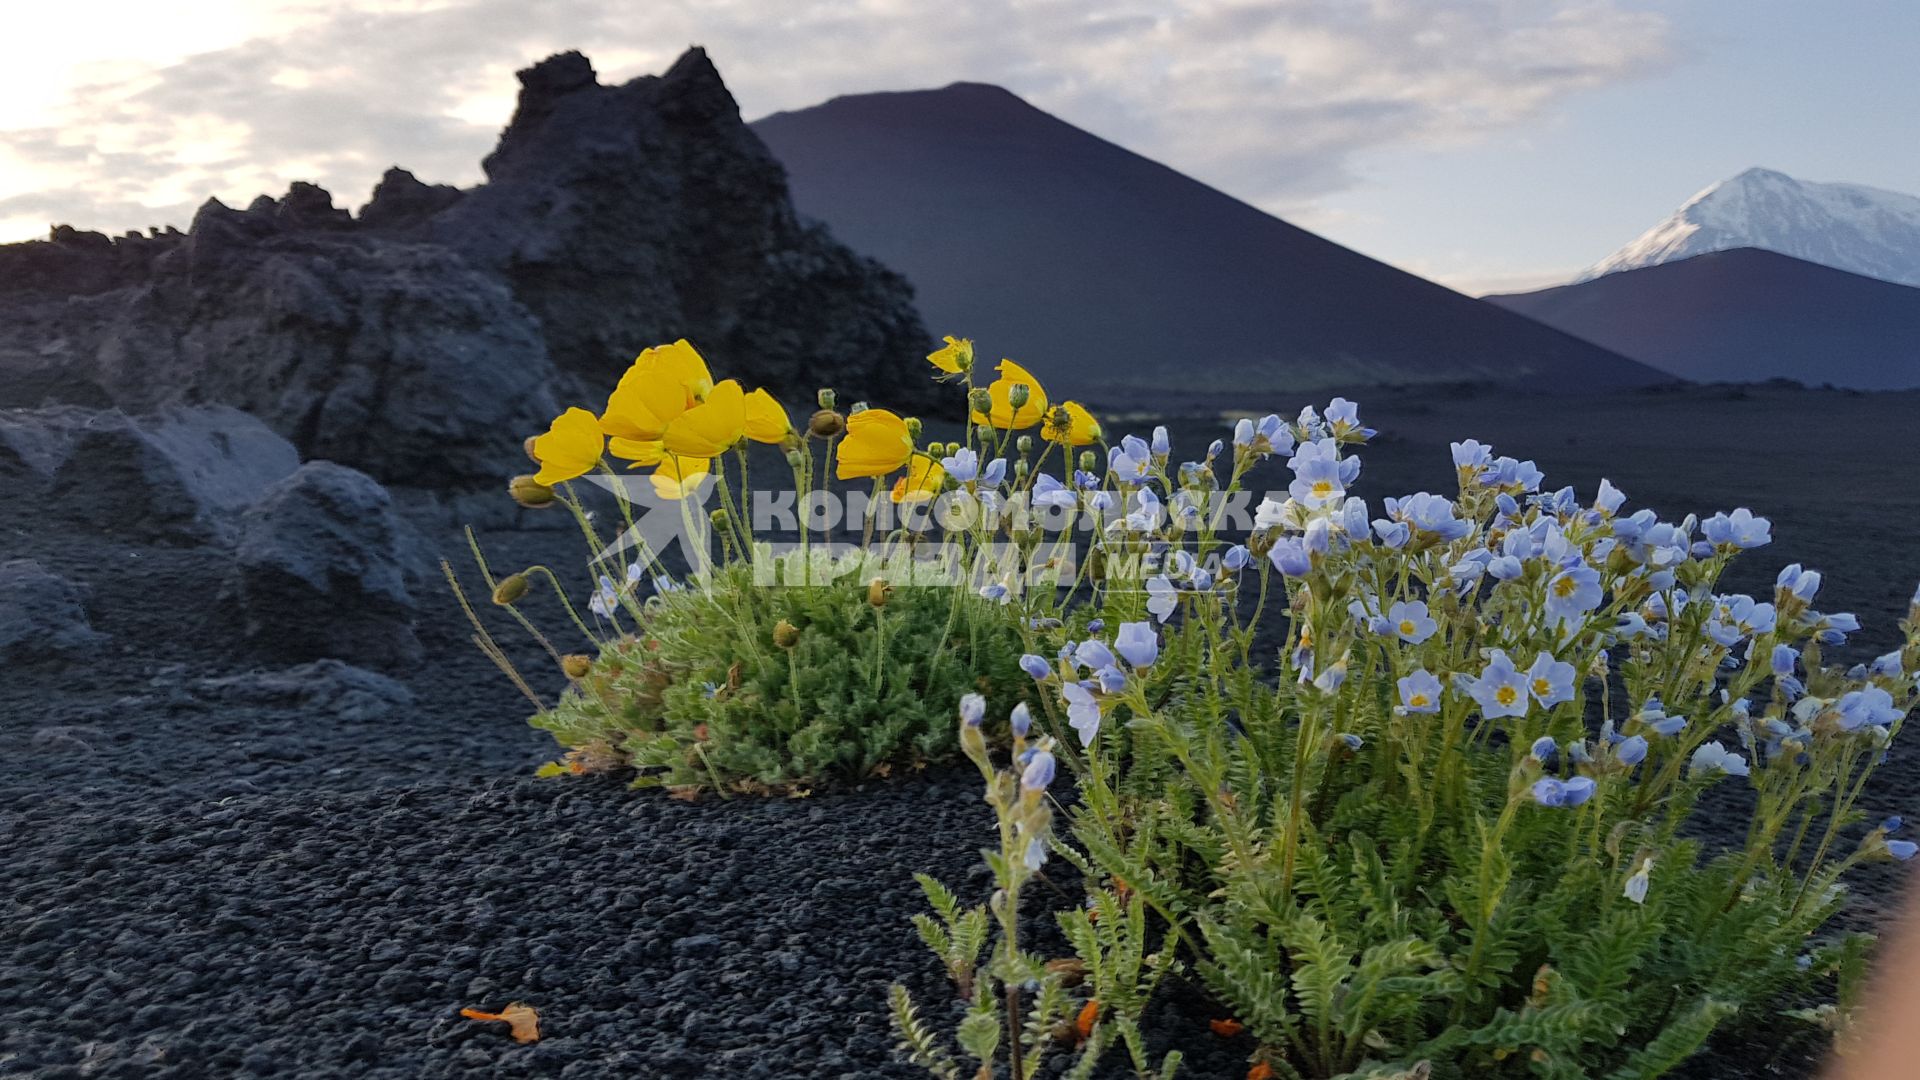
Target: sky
(1487, 144)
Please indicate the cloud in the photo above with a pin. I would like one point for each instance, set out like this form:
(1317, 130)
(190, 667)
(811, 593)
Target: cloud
(1274, 102)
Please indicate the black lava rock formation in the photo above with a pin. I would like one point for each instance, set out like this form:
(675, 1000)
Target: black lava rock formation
(423, 339)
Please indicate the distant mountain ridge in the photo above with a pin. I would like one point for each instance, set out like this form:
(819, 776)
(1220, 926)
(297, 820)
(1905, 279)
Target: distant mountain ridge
(1745, 315)
(1125, 280)
(1849, 227)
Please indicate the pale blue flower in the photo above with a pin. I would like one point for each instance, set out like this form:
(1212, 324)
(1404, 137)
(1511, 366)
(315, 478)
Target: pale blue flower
(1471, 456)
(1501, 689)
(996, 593)
(1783, 659)
(1410, 622)
(1289, 556)
(1332, 678)
(1236, 558)
(1111, 679)
(1548, 791)
(1902, 850)
(1129, 462)
(1050, 492)
(1713, 757)
(605, 599)
(1138, 644)
(1352, 741)
(1162, 597)
(1638, 882)
(1610, 499)
(1038, 775)
(1505, 568)
(1393, 534)
(1036, 666)
(963, 464)
(1319, 536)
(1243, 432)
(1020, 720)
(1631, 750)
(1573, 592)
(1420, 692)
(1214, 449)
(1093, 654)
(1343, 418)
(973, 709)
(1429, 513)
(1551, 681)
(1543, 749)
(1160, 446)
(995, 472)
(1740, 529)
(1353, 520)
(1083, 712)
(1317, 479)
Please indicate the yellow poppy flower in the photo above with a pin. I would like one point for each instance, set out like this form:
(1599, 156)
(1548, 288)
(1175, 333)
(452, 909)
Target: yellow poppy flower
(877, 443)
(955, 359)
(639, 451)
(767, 422)
(709, 428)
(923, 480)
(679, 477)
(1070, 423)
(1003, 414)
(570, 448)
(662, 383)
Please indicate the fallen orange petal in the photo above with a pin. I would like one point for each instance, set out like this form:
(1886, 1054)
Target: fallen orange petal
(1262, 1071)
(522, 1020)
(1227, 1028)
(1088, 1014)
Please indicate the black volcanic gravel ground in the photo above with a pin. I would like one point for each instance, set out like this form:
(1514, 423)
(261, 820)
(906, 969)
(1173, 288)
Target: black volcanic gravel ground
(210, 872)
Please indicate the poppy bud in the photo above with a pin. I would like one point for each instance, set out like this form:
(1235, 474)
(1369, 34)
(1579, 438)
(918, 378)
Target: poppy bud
(510, 589)
(878, 592)
(720, 517)
(1024, 444)
(979, 400)
(785, 634)
(575, 665)
(529, 492)
(527, 446)
(1017, 394)
(913, 426)
(825, 398)
(1021, 469)
(794, 458)
(826, 424)
(857, 407)
(1087, 461)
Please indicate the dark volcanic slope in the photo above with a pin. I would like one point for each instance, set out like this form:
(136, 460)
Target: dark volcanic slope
(1745, 315)
(1085, 259)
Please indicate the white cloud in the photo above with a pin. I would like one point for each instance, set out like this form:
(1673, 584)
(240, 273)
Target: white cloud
(1270, 101)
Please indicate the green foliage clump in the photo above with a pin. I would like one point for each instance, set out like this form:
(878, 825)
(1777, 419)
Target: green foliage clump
(739, 688)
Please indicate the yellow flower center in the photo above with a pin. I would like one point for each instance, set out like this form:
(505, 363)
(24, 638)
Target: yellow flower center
(1322, 488)
(1506, 695)
(1542, 687)
(1406, 627)
(1566, 586)
(1419, 701)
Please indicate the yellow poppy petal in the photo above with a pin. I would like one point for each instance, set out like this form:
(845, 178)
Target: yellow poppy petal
(710, 427)
(683, 364)
(638, 451)
(877, 442)
(767, 422)
(1070, 423)
(956, 358)
(570, 448)
(1003, 414)
(923, 481)
(679, 477)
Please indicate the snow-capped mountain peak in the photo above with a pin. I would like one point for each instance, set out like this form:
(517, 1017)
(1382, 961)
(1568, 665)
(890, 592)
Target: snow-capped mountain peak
(1848, 226)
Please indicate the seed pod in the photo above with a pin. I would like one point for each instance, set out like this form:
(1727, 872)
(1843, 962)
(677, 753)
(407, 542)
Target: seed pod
(825, 398)
(878, 592)
(1018, 395)
(576, 666)
(979, 400)
(510, 589)
(785, 634)
(826, 424)
(529, 492)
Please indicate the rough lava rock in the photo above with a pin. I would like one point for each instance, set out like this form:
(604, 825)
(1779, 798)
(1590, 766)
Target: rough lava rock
(42, 615)
(323, 570)
(423, 340)
(180, 476)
